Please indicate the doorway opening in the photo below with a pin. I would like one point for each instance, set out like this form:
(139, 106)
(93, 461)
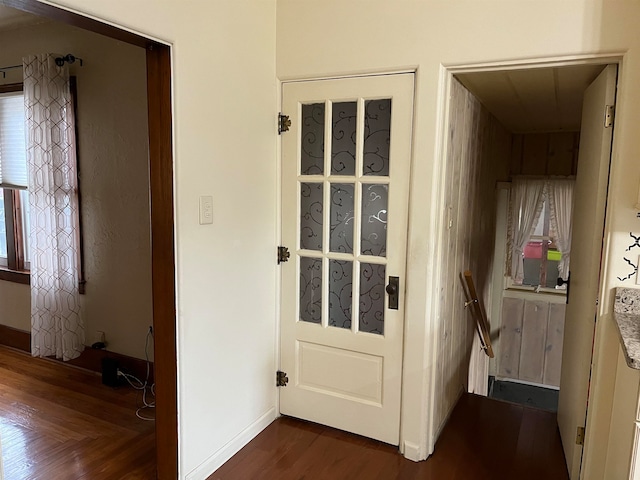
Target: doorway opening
(541, 111)
(160, 167)
(514, 135)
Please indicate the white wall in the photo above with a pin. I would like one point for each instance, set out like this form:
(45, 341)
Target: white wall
(114, 181)
(317, 38)
(225, 143)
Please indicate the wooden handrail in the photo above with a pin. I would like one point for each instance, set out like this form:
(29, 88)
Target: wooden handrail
(479, 315)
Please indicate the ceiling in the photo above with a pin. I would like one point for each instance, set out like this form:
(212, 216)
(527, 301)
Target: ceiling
(534, 100)
(11, 18)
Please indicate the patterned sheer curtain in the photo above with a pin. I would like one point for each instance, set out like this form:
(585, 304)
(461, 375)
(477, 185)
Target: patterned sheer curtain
(560, 193)
(56, 325)
(527, 200)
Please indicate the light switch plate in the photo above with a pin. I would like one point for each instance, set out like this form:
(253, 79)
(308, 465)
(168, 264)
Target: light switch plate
(206, 209)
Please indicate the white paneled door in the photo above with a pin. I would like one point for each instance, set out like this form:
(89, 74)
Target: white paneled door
(590, 199)
(345, 191)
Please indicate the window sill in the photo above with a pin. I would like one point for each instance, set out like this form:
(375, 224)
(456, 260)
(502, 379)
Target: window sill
(15, 276)
(530, 294)
(544, 290)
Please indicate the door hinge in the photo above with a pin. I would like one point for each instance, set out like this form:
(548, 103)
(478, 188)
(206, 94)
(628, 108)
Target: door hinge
(580, 436)
(283, 123)
(283, 255)
(609, 114)
(281, 379)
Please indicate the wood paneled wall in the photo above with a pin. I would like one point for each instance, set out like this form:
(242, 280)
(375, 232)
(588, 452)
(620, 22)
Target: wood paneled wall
(531, 340)
(544, 153)
(478, 154)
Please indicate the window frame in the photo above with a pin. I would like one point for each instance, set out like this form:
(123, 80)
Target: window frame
(509, 284)
(73, 87)
(15, 270)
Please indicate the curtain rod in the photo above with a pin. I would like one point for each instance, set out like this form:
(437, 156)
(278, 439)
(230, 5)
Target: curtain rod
(69, 58)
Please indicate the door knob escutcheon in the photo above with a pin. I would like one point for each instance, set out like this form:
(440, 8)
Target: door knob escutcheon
(393, 289)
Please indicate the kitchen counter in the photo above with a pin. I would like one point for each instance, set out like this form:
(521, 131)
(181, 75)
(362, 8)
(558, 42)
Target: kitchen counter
(626, 313)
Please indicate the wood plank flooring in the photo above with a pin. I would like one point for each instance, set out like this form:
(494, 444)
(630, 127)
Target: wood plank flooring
(484, 439)
(60, 422)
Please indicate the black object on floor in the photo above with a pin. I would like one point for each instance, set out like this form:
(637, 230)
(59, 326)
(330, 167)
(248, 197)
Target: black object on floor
(110, 372)
(529, 395)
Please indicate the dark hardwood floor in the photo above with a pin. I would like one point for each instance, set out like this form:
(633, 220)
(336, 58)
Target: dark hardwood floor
(484, 439)
(60, 423)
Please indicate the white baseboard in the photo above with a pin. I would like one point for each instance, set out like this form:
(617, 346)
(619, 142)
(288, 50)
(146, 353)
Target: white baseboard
(412, 452)
(215, 461)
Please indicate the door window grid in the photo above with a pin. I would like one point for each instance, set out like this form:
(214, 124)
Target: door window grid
(357, 262)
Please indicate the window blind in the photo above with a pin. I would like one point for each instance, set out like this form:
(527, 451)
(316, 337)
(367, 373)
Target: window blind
(13, 156)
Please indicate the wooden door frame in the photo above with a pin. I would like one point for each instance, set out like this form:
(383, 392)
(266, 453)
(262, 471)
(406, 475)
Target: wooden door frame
(159, 103)
(591, 443)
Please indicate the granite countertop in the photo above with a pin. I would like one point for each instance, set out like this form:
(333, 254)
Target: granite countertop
(626, 312)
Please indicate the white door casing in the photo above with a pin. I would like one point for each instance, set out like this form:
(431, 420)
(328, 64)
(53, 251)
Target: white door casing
(586, 248)
(341, 344)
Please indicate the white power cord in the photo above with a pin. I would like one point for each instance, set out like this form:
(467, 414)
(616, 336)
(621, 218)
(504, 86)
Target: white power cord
(137, 384)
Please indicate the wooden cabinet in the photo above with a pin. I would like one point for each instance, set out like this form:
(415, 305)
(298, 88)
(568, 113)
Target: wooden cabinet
(531, 337)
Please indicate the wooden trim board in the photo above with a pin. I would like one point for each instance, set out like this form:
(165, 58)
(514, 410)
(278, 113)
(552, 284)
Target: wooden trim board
(16, 277)
(91, 359)
(14, 338)
(163, 258)
(70, 18)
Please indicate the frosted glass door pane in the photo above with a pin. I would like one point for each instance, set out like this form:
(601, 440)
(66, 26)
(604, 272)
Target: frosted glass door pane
(343, 138)
(312, 140)
(340, 288)
(341, 235)
(377, 137)
(311, 216)
(372, 298)
(374, 219)
(310, 289)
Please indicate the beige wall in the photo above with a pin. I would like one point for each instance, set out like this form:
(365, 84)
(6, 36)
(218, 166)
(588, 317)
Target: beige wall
(113, 162)
(224, 92)
(345, 37)
(16, 305)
